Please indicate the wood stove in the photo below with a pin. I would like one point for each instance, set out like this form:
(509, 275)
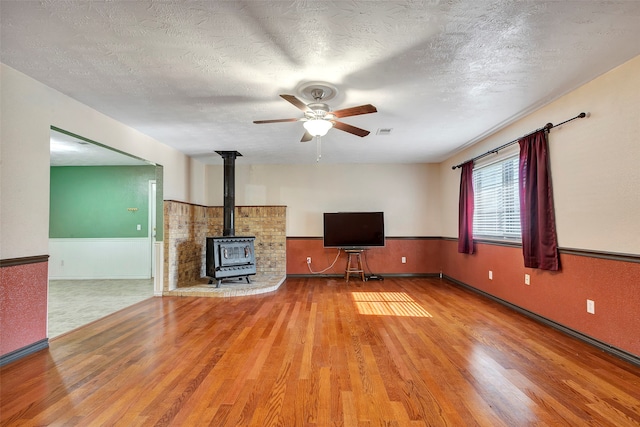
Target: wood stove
(230, 256)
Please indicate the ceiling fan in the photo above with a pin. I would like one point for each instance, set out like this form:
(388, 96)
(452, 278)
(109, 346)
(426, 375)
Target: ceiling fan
(318, 117)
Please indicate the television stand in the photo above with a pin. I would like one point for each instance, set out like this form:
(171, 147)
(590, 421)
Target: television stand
(354, 255)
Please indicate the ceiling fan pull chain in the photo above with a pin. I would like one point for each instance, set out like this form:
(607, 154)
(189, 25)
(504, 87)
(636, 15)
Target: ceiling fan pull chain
(318, 149)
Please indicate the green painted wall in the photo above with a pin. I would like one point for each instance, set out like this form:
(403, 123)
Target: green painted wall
(92, 201)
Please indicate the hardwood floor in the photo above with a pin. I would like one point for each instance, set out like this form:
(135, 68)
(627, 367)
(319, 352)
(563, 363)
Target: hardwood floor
(321, 352)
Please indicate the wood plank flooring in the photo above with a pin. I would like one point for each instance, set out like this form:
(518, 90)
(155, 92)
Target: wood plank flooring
(321, 352)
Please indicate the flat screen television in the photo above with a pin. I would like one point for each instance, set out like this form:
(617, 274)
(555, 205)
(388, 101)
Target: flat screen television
(353, 230)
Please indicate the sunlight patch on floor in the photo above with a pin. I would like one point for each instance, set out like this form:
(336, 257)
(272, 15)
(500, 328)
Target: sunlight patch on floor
(388, 304)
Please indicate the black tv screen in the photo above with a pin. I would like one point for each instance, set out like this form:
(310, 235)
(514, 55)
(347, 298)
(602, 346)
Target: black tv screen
(353, 230)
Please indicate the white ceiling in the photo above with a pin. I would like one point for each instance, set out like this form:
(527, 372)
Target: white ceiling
(195, 74)
(68, 150)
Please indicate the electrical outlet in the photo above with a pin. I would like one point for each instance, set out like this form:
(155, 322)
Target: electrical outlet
(527, 279)
(591, 306)
(139, 227)
(490, 275)
(308, 260)
(404, 259)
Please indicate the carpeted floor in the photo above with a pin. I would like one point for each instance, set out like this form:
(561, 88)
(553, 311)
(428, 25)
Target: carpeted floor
(74, 303)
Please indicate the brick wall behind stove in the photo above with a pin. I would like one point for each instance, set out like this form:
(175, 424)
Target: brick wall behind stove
(268, 224)
(187, 226)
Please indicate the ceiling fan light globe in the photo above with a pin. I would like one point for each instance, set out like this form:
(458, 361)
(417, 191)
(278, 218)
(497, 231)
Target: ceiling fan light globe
(318, 127)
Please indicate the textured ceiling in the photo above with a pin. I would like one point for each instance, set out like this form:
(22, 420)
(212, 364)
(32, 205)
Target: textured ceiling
(195, 74)
(67, 150)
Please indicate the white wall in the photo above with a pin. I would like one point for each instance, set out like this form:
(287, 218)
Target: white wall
(197, 183)
(28, 110)
(594, 163)
(408, 194)
(88, 258)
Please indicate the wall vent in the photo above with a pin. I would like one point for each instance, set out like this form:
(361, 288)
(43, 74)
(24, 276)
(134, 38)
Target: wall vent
(385, 131)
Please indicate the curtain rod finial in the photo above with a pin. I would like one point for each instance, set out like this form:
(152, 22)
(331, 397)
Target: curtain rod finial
(583, 115)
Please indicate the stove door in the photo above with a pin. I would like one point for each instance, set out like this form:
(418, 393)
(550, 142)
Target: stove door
(235, 253)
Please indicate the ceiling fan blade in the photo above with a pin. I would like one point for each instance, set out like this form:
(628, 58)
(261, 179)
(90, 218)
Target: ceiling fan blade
(259, 122)
(351, 129)
(306, 137)
(297, 103)
(355, 111)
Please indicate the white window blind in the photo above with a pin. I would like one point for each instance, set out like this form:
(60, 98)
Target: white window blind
(497, 203)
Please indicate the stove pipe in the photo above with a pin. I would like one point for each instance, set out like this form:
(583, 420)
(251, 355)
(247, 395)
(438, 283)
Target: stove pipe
(229, 158)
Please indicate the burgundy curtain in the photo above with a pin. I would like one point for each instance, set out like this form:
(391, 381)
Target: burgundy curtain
(465, 210)
(537, 218)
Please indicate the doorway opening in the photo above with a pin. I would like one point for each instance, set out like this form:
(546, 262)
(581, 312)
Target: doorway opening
(105, 220)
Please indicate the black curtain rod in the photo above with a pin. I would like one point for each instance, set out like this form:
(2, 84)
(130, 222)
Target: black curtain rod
(548, 126)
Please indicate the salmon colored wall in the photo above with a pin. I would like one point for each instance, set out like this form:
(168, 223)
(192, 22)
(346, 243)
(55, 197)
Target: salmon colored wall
(558, 296)
(422, 256)
(23, 305)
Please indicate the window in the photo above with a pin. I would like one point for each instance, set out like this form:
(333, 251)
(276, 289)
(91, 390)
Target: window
(497, 202)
